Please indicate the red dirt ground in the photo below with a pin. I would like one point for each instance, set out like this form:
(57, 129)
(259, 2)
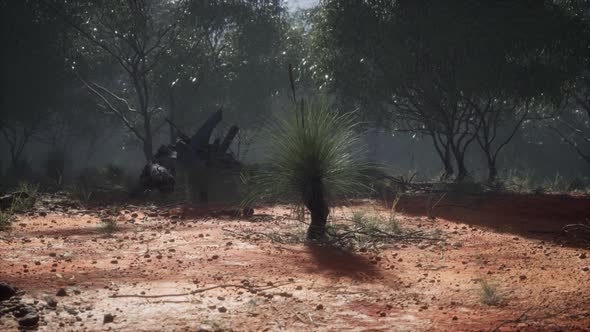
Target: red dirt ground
(510, 241)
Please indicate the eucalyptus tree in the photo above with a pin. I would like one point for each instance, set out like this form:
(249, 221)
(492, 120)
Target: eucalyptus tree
(134, 36)
(572, 124)
(33, 74)
(448, 70)
(228, 53)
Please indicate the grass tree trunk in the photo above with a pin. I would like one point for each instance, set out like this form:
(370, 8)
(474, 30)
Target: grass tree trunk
(316, 203)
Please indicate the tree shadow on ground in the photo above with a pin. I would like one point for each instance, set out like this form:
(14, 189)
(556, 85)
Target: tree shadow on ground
(341, 263)
(540, 217)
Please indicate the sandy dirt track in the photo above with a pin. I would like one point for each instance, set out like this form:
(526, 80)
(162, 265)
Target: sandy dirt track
(513, 242)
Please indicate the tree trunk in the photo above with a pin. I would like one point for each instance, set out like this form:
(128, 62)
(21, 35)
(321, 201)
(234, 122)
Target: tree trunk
(492, 168)
(147, 148)
(147, 142)
(319, 210)
(461, 169)
(491, 161)
(492, 173)
(444, 153)
(448, 168)
(172, 116)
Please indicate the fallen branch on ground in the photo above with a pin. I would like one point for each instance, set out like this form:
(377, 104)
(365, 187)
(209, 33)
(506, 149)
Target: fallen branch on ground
(247, 235)
(523, 317)
(201, 290)
(381, 235)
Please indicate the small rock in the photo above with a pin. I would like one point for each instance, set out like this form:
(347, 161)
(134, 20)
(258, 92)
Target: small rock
(72, 311)
(522, 277)
(61, 292)
(319, 307)
(583, 256)
(43, 214)
(455, 318)
(51, 302)
(108, 318)
(586, 269)
(6, 291)
(30, 319)
(222, 309)
(27, 316)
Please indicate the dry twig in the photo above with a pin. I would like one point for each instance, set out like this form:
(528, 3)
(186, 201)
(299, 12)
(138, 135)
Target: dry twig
(201, 290)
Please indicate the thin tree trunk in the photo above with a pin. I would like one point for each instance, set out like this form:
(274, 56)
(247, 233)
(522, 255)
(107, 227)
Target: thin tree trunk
(172, 115)
(444, 153)
(461, 169)
(492, 172)
(147, 142)
(448, 165)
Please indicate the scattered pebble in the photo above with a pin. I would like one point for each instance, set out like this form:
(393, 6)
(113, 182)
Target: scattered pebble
(61, 292)
(108, 318)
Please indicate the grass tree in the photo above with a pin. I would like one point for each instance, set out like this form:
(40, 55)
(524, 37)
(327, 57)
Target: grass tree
(312, 158)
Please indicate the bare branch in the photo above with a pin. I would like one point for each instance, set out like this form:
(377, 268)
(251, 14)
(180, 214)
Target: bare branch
(115, 111)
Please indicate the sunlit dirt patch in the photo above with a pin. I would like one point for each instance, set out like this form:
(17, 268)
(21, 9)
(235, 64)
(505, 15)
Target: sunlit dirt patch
(157, 272)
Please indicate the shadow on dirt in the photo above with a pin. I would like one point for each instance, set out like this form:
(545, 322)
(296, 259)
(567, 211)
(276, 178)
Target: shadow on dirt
(541, 217)
(341, 263)
(94, 232)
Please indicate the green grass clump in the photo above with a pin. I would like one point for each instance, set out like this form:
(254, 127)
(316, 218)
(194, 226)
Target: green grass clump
(81, 193)
(6, 219)
(375, 224)
(489, 294)
(108, 226)
(24, 197)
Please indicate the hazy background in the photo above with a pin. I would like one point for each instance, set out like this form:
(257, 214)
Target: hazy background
(236, 57)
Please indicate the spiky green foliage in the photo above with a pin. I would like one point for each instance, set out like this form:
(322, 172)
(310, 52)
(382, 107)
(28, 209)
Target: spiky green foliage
(108, 226)
(313, 143)
(489, 294)
(6, 219)
(25, 198)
